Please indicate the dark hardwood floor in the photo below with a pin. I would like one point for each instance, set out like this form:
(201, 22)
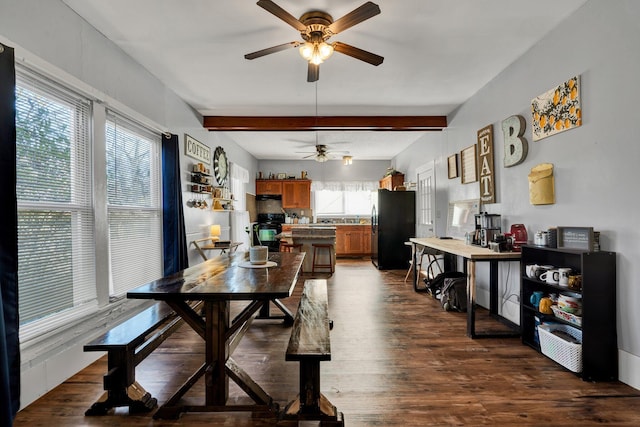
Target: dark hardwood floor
(397, 360)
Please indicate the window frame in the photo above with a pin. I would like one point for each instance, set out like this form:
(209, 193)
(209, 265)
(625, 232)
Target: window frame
(152, 210)
(79, 204)
(344, 202)
(37, 333)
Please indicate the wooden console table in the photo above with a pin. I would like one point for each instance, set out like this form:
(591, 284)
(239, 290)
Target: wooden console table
(473, 254)
(213, 245)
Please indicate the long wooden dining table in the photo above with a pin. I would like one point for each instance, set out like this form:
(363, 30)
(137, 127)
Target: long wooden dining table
(216, 283)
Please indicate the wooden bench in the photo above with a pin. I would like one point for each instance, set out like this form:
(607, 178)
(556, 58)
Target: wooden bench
(310, 344)
(128, 344)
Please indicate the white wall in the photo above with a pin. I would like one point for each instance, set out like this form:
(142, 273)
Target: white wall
(50, 37)
(596, 165)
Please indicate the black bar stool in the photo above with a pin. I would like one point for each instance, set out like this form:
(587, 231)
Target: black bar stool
(317, 250)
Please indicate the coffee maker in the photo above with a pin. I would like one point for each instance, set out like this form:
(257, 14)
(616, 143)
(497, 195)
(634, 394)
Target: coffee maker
(487, 228)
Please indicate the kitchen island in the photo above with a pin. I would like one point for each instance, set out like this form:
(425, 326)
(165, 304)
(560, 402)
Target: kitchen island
(352, 239)
(307, 235)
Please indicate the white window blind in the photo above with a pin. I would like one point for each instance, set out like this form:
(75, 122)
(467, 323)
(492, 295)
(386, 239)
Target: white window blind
(344, 198)
(134, 204)
(56, 274)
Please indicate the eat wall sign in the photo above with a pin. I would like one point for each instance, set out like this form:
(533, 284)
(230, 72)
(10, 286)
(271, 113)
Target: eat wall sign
(485, 165)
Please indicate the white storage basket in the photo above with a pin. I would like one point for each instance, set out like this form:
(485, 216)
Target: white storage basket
(566, 353)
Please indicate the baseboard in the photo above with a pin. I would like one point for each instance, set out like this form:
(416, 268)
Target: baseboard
(629, 369)
(39, 379)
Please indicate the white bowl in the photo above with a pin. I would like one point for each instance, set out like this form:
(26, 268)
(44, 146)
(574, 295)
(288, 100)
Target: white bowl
(570, 303)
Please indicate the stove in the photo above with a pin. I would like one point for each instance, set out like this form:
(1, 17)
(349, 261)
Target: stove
(265, 230)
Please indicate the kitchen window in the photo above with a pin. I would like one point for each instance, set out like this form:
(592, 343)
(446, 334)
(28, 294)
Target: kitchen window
(344, 198)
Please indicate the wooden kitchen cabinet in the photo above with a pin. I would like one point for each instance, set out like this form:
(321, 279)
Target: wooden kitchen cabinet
(268, 186)
(353, 240)
(392, 181)
(366, 239)
(296, 194)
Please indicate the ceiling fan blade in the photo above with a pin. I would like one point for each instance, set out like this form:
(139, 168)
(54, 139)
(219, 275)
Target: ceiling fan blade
(310, 155)
(356, 16)
(273, 49)
(313, 72)
(273, 8)
(360, 54)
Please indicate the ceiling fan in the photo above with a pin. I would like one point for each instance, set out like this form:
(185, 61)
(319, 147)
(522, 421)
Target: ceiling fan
(322, 153)
(316, 27)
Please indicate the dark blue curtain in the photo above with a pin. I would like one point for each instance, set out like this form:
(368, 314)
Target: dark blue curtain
(173, 233)
(9, 345)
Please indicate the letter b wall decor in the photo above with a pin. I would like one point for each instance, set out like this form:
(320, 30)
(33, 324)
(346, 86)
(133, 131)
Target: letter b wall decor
(515, 146)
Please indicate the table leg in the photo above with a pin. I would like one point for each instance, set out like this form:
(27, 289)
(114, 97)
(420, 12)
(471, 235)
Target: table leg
(493, 303)
(204, 257)
(416, 273)
(471, 298)
(220, 336)
(216, 352)
(493, 287)
(265, 312)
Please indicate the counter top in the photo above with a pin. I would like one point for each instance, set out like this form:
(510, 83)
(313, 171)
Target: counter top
(303, 231)
(288, 235)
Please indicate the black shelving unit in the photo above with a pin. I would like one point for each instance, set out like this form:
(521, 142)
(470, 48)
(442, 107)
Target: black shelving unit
(599, 337)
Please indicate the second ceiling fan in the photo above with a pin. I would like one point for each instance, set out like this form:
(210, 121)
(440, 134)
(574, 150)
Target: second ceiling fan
(322, 153)
(316, 27)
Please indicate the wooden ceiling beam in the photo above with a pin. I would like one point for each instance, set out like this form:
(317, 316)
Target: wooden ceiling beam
(301, 123)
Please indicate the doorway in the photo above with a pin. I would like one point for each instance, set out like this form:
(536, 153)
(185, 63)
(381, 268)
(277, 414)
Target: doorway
(426, 200)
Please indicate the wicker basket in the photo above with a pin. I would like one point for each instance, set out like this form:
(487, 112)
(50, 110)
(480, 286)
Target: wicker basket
(566, 353)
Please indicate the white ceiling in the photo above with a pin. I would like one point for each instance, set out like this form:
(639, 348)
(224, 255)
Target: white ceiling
(437, 54)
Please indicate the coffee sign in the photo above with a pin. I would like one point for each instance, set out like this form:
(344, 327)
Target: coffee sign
(485, 165)
(196, 149)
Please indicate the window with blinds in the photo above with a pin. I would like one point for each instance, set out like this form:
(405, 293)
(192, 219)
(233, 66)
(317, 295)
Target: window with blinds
(55, 205)
(133, 204)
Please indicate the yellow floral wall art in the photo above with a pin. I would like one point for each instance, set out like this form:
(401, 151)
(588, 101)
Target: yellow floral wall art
(557, 110)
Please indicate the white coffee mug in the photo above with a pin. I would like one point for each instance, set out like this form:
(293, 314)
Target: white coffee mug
(564, 274)
(532, 270)
(541, 269)
(550, 276)
(258, 254)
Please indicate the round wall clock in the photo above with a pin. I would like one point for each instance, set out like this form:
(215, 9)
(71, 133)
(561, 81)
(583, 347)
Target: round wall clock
(220, 165)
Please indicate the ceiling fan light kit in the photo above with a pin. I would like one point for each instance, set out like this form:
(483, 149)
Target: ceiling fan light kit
(315, 28)
(316, 53)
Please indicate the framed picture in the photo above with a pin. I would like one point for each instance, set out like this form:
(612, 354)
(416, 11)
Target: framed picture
(468, 164)
(576, 238)
(556, 110)
(452, 163)
(282, 176)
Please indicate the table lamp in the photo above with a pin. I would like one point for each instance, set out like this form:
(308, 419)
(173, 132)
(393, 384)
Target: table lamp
(215, 232)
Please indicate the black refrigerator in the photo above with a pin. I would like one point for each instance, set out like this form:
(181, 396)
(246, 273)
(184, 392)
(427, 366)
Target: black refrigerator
(393, 222)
